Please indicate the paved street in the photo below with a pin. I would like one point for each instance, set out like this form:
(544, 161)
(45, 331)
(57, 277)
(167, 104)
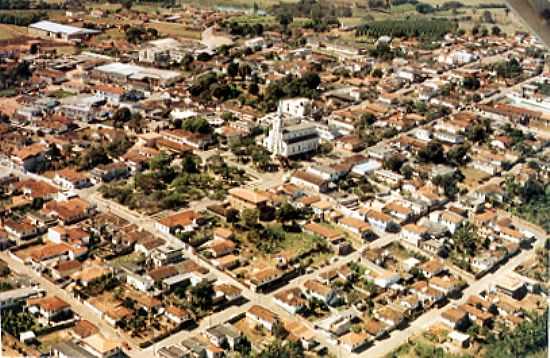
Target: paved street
(261, 181)
(399, 337)
(380, 348)
(77, 306)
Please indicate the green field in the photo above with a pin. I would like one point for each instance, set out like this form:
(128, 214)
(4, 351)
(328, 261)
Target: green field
(175, 30)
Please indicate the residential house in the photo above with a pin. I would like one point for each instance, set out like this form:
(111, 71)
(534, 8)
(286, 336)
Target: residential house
(69, 211)
(262, 316)
(177, 315)
(414, 233)
(31, 157)
(455, 318)
(315, 289)
(309, 181)
(291, 300)
(378, 219)
(240, 198)
(184, 221)
(356, 226)
(352, 341)
(70, 179)
(49, 308)
(391, 317)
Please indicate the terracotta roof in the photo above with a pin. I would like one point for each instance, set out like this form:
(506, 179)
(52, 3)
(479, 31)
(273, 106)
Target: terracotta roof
(432, 266)
(452, 217)
(227, 289)
(50, 304)
(353, 339)
(356, 223)
(453, 314)
(68, 265)
(119, 312)
(379, 216)
(71, 175)
(417, 229)
(248, 195)
(184, 218)
(49, 250)
(67, 209)
(390, 314)
(323, 231)
(476, 312)
(317, 287)
(263, 313)
(85, 329)
(398, 208)
(219, 246)
(163, 272)
(38, 189)
(291, 296)
(267, 274)
(90, 273)
(29, 151)
(224, 233)
(373, 326)
(308, 177)
(177, 311)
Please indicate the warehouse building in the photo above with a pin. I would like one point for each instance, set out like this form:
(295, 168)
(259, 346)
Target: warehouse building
(54, 30)
(136, 76)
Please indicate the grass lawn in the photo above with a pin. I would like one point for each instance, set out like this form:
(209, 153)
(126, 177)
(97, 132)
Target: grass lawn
(147, 8)
(254, 19)
(111, 34)
(6, 34)
(104, 6)
(9, 92)
(59, 94)
(47, 341)
(292, 244)
(244, 4)
(132, 258)
(473, 176)
(176, 30)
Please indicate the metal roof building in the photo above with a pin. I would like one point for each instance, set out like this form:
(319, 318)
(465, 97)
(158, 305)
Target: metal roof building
(59, 31)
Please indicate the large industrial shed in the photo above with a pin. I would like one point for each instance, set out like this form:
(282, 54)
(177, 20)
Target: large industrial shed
(54, 30)
(136, 76)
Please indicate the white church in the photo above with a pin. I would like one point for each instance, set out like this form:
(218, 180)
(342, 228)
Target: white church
(290, 135)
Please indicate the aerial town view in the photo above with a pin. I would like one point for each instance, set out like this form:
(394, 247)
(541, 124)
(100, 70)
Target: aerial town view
(274, 178)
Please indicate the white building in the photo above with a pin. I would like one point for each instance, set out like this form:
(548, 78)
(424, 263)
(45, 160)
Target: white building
(295, 107)
(291, 140)
(457, 58)
(162, 49)
(255, 42)
(54, 30)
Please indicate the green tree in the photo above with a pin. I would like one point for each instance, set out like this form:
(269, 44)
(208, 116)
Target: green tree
(465, 240)
(285, 19)
(122, 115)
(287, 212)
(282, 349)
(243, 346)
(250, 217)
(233, 69)
(197, 125)
(394, 163)
(528, 339)
(433, 152)
(457, 155)
(201, 295)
